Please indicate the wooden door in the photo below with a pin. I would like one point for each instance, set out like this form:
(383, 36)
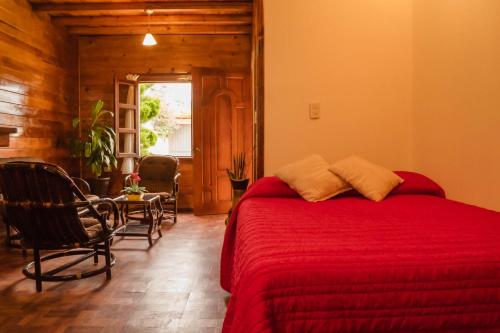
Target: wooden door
(222, 127)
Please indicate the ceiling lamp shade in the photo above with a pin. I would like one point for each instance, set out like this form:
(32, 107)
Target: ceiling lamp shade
(149, 40)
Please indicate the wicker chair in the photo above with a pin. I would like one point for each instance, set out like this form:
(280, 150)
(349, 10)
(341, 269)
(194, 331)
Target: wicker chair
(43, 203)
(160, 174)
(12, 236)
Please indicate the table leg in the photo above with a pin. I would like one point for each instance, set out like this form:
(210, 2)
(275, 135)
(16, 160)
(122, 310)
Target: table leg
(159, 212)
(151, 223)
(122, 216)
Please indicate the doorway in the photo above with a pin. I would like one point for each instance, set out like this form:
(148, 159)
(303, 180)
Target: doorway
(166, 118)
(223, 128)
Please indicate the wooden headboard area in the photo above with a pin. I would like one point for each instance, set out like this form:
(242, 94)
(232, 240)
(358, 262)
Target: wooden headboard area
(38, 85)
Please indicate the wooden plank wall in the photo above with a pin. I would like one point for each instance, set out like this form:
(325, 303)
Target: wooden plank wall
(38, 84)
(103, 58)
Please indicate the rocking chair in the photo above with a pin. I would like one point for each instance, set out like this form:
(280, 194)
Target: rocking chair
(44, 204)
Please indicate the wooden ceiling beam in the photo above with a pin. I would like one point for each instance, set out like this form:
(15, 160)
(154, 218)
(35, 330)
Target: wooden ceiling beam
(140, 1)
(164, 30)
(109, 21)
(137, 8)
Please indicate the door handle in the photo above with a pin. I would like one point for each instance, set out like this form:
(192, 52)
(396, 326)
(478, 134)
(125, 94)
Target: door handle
(196, 149)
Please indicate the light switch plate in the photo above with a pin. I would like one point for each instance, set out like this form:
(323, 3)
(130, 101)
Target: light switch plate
(314, 111)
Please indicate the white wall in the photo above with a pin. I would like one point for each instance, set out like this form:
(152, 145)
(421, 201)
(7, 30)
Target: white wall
(410, 84)
(457, 97)
(352, 56)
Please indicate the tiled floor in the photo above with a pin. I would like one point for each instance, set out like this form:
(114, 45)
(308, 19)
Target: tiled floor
(171, 287)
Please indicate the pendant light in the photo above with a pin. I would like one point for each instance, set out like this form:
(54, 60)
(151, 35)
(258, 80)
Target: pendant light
(149, 39)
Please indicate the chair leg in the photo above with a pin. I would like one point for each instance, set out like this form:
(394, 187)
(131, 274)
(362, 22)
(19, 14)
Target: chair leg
(96, 255)
(7, 234)
(38, 269)
(107, 253)
(175, 211)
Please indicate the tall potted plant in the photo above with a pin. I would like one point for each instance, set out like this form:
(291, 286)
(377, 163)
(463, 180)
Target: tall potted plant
(238, 177)
(97, 147)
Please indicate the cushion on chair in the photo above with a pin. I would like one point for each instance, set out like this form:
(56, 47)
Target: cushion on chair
(88, 197)
(157, 186)
(93, 227)
(158, 167)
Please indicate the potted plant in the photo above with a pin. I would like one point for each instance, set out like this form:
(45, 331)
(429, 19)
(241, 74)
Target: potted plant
(134, 192)
(238, 174)
(238, 177)
(97, 147)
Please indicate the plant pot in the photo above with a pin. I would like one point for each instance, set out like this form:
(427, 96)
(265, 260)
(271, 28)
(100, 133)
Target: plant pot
(240, 184)
(239, 187)
(99, 186)
(135, 197)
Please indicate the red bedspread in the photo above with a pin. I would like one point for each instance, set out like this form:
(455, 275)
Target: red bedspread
(414, 262)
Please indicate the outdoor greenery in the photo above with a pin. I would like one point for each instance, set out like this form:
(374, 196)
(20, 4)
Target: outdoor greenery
(97, 145)
(163, 122)
(150, 108)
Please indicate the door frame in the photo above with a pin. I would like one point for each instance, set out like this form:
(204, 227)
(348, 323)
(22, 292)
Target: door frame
(199, 104)
(258, 87)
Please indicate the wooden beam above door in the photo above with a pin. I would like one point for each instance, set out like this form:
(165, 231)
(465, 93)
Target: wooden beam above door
(164, 30)
(83, 8)
(113, 21)
(127, 17)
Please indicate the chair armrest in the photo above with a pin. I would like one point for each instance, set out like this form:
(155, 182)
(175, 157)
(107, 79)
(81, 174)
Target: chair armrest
(111, 206)
(176, 184)
(126, 181)
(82, 184)
(177, 176)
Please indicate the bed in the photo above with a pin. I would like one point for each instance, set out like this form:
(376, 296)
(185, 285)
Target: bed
(415, 262)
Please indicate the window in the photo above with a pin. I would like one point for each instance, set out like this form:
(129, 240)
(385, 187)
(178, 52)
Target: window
(165, 118)
(126, 121)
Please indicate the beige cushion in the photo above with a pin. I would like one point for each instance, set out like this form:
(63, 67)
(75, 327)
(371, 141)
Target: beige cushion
(311, 179)
(371, 180)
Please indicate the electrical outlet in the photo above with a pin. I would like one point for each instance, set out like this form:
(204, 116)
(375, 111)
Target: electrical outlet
(314, 111)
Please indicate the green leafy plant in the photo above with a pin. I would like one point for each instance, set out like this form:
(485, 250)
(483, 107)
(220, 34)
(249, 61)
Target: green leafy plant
(97, 145)
(239, 170)
(150, 109)
(134, 187)
(157, 113)
(148, 140)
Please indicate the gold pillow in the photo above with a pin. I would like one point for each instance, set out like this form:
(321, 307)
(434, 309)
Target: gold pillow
(311, 178)
(371, 180)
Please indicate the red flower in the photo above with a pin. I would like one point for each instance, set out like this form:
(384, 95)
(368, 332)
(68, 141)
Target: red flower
(134, 177)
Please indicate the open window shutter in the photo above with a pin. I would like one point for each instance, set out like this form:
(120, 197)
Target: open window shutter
(127, 118)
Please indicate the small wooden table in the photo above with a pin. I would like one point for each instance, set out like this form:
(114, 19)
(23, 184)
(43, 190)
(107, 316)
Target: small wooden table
(148, 224)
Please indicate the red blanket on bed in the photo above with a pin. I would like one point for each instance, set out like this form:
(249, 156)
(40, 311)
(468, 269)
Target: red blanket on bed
(414, 262)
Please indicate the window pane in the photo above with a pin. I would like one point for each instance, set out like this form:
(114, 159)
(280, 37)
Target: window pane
(126, 118)
(166, 110)
(126, 94)
(126, 143)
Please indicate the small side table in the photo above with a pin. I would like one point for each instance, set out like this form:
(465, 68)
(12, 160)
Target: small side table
(148, 224)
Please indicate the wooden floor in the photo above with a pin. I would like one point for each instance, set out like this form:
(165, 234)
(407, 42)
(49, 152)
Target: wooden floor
(170, 287)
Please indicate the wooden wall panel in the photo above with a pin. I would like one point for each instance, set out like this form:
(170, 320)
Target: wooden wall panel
(38, 84)
(103, 58)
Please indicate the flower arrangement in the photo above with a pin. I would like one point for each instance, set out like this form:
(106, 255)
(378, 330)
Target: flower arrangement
(134, 191)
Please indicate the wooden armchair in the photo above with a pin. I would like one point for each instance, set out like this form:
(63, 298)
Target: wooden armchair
(51, 213)
(12, 236)
(160, 174)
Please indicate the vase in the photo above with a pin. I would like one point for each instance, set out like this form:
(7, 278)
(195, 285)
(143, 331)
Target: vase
(99, 186)
(239, 187)
(135, 196)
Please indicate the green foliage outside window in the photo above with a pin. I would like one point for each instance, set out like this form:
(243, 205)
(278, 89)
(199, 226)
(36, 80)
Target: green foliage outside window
(163, 122)
(150, 108)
